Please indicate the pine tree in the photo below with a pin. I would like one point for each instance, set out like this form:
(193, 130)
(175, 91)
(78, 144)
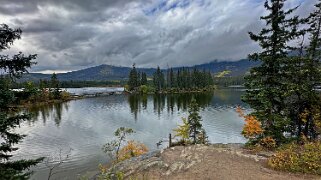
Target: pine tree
(265, 84)
(138, 83)
(54, 84)
(144, 79)
(14, 67)
(188, 79)
(184, 78)
(209, 78)
(172, 78)
(179, 79)
(314, 21)
(301, 98)
(159, 80)
(301, 75)
(194, 78)
(162, 80)
(305, 77)
(168, 79)
(132, 82)
(194, 121)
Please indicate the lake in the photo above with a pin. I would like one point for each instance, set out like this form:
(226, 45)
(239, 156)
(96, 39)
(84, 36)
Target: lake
(85, 125)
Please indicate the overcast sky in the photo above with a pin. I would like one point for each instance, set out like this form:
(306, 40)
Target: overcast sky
(75, 34)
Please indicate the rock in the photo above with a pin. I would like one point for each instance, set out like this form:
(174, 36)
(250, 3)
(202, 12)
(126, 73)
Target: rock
(177, 166)
(191, 164)
(157, 163)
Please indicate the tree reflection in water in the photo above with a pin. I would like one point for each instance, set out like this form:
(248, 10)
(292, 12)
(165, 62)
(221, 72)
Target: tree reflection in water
(172, 102)
(46, 111)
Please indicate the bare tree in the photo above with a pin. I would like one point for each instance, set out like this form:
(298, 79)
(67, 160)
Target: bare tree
(54, 162)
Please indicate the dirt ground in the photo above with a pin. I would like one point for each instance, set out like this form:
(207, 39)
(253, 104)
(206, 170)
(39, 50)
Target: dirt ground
(205, 162)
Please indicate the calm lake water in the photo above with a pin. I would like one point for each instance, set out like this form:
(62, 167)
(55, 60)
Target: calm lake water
(85, 125)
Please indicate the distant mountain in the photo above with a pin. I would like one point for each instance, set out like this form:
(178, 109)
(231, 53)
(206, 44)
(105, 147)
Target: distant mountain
(108, 72)
(237, 68)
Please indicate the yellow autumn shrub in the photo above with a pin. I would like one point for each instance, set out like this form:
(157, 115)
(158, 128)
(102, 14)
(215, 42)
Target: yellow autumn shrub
(183, 130)
(298, 158)
(132, 149)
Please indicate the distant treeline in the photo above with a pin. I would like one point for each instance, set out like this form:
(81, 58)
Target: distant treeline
(229, 81)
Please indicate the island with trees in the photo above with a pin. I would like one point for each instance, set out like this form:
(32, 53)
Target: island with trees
(171, 81)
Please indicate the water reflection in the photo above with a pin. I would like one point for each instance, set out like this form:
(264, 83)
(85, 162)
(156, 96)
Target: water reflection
(170, 101)
(137, 103)
(49, 111)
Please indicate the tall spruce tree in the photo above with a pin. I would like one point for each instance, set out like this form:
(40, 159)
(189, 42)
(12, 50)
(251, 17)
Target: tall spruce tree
(301, 75)
(14, 67)
(144, 79)
(194, 121)
(132, 82)
(139, 80)
(266, 85)
(172, 78)
(314, 22)
(168, 79)
(158, 79)
(179, 79)
(301, 78)
(54, 83)
(209, 77)
(310, 101)
(194, 78)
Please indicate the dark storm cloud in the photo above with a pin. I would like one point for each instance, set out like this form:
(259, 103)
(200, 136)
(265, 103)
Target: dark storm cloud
(74, 34)
(13, 7)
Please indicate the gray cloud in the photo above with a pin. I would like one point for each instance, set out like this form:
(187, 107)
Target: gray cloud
(74, 34)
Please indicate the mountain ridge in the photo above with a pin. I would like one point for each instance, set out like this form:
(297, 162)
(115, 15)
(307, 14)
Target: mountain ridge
(107, 72)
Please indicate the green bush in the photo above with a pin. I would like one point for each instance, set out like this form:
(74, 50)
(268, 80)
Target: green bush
(298, 158)
(143, 89)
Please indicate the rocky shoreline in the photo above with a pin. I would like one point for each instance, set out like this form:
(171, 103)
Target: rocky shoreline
(215, 161)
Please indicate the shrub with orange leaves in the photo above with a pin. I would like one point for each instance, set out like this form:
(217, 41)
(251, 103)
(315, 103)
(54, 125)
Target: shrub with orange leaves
(252, 128)
(132, 149)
